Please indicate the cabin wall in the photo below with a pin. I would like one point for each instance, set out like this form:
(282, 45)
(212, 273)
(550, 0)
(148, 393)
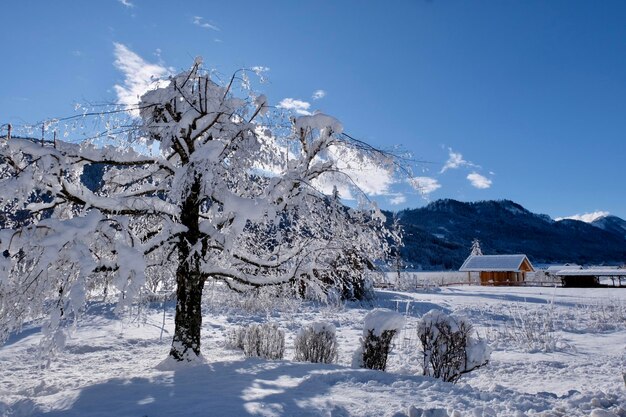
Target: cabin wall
(502, 278)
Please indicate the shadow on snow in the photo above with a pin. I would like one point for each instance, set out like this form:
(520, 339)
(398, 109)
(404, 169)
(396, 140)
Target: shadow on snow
(242, 388)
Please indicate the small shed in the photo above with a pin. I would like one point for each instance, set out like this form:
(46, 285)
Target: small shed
(584, 278)
(498, 269)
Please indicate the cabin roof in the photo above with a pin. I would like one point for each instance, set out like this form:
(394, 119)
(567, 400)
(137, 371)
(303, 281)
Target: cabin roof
(569, 267)
(504, 263)
(592, 272)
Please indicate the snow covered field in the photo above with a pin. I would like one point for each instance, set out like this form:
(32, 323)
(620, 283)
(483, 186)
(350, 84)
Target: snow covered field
(557, 352)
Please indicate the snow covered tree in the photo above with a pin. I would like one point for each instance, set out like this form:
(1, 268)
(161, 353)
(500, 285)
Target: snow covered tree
(212, 187)
(476, 250)
(397, 233)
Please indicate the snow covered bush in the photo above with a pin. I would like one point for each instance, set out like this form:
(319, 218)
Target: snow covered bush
(264, 340)
(317, 343)
(379, 329)
(448, 348)
(235, 337)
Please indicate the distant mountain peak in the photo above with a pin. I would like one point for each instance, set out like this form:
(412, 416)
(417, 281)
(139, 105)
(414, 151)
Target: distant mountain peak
(611, 224)
(586, 217)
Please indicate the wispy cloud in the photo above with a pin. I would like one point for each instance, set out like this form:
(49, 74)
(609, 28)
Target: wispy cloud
(298, 106)
(356, 171)
(139, 76)
(199, 21)
(455, 160)
(425, 185)
(318, 94)
(397, 199)
(479, 181)
(586, 217)
(126, 3)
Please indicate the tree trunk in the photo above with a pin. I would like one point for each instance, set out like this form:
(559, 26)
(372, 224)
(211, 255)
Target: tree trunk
(189, 282)
(188, 321)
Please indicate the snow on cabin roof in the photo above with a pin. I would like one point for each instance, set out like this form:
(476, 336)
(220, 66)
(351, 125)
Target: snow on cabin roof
(508, 263)
(557, 268)
(593, 272)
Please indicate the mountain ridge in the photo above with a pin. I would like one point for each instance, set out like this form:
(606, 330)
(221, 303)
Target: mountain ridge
(439, 235)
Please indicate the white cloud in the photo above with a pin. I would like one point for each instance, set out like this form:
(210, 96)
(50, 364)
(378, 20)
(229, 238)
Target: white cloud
(455, 160)
(372, 176)
(425, 185)
(126, 3)
(586, 217)
(139, 76)
(298, 106)
(479, 181)
(318, 94)
(398, 199)
(199, 21)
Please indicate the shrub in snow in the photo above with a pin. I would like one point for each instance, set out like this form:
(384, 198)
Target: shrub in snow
(316, 343)
(264, 340)
(235, 338)
(380, 326)
(537, 329)
(534, 330)
(448, 349)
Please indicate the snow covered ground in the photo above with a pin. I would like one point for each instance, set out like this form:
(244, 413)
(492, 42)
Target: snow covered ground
(557, 352)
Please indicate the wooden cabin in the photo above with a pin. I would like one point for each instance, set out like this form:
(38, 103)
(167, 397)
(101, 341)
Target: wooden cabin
(498, 269)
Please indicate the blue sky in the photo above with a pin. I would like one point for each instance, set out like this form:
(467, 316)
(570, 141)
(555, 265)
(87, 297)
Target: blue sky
(523, 100)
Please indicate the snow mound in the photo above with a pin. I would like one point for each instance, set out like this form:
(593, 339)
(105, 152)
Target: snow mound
(380, 320)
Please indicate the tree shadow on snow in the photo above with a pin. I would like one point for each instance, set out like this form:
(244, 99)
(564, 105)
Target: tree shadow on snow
(22, 334)
(241, 388)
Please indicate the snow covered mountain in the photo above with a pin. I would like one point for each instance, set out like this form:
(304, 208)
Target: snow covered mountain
(587, 217)
(439, 235)
(611, 224)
